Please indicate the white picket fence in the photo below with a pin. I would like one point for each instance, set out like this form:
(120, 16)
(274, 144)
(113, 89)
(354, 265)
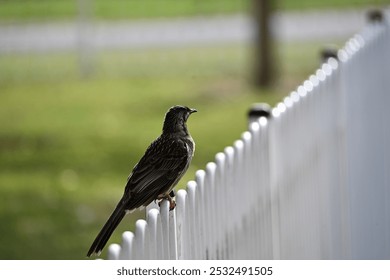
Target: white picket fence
(311, 182)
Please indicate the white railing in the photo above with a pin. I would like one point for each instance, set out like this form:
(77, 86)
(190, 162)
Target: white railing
(311, 182)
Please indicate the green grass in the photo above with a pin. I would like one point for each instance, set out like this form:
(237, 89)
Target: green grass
(67, 144)
(120, 9)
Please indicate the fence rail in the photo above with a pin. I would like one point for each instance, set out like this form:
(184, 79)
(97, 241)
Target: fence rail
(310, 182)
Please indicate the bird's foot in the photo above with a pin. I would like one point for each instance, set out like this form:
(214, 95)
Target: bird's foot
(172, 203)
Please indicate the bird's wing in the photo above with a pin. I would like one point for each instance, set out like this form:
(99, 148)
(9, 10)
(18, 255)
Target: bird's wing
(163, 164)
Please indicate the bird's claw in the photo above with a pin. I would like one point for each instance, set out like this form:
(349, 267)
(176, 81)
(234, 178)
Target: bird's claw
(172, 203)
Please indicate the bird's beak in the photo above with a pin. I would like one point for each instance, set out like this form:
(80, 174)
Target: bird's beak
(193, 111)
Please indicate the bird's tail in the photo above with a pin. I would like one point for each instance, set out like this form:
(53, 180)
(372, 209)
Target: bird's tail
(109, 227)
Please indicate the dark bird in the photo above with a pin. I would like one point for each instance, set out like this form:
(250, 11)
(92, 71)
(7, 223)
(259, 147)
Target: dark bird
(155, 175)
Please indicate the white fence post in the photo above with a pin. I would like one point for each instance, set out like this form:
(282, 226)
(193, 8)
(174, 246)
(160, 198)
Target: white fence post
(181, 233)
(201, 214)
(155, 234)
(127, 248)
(141, 240)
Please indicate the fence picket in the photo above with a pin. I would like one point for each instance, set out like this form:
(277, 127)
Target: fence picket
(164, 212)
(201, 214)
(126, 250)
(155, 234)
(114, 252)
(140, 240)
(182, 232)
(190, 218)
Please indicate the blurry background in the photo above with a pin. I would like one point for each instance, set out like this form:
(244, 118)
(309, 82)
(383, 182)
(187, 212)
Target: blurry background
(84, 86)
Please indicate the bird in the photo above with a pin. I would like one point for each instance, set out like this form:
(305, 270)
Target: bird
(155, 175)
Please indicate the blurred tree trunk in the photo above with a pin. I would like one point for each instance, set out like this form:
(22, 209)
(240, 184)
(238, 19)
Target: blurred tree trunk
(264, 63)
